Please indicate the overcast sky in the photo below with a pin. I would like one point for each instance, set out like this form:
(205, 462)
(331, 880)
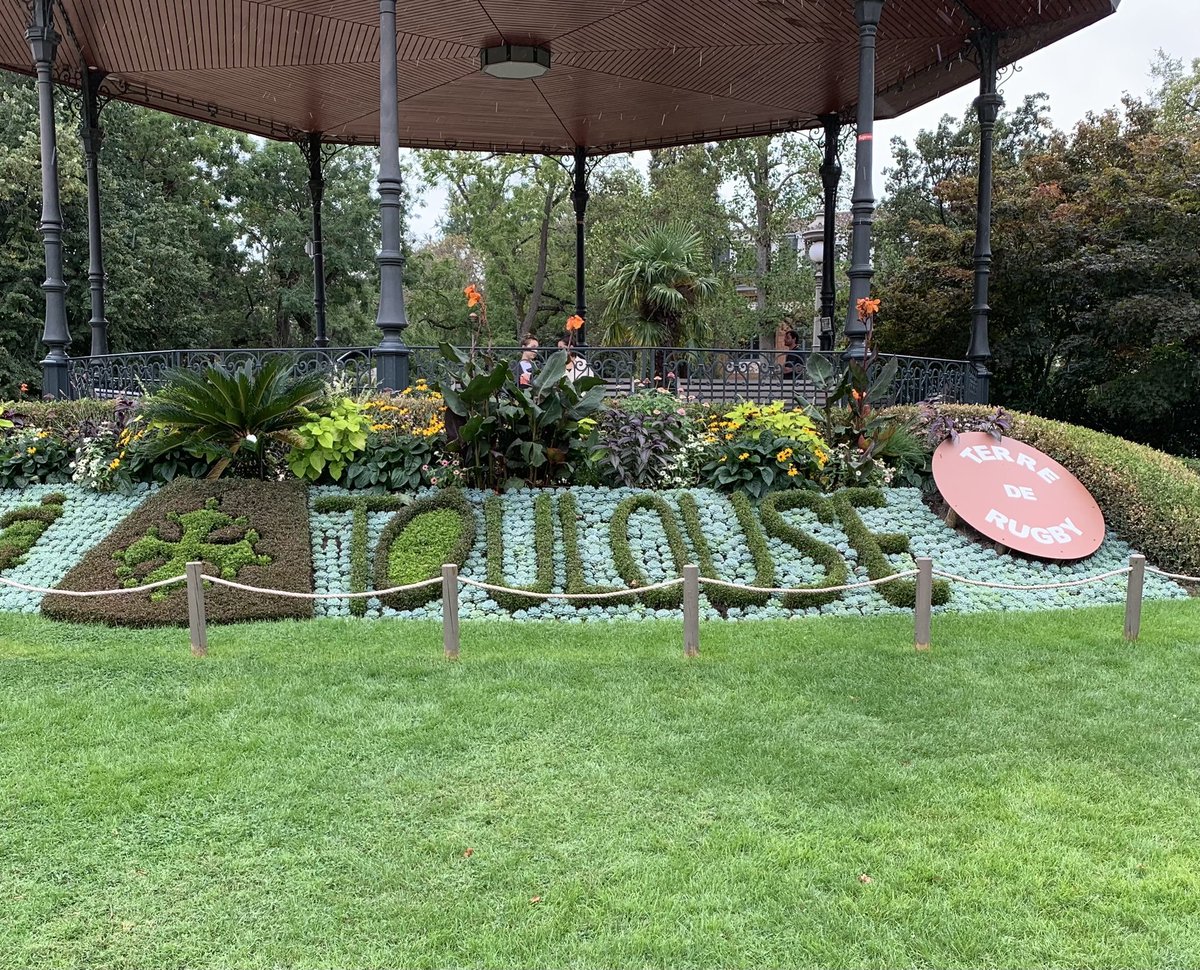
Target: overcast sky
(1088, 71)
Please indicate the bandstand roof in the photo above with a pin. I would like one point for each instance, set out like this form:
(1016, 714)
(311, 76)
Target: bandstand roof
(625, 74)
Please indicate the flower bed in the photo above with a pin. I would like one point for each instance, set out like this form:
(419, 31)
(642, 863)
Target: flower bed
(642, 553)
(251, 532)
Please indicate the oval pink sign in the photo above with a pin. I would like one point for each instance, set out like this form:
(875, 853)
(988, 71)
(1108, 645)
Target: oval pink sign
(1018, 497)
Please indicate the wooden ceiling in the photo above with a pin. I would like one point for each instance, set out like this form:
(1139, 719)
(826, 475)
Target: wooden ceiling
(625, 74)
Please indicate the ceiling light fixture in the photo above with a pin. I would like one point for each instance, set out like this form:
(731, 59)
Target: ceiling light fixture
(514, 61)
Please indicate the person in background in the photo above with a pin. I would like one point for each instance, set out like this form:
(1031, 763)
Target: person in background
(793, 359)
(529, 349)
(577, 367)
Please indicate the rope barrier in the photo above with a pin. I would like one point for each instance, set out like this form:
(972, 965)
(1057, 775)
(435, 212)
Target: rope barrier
(1063, 585)
(780, 591)
(95, 592)
(322, 596)
(1180, 577)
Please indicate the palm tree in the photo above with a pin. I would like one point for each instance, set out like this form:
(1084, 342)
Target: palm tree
(217, 412)
(658, 281)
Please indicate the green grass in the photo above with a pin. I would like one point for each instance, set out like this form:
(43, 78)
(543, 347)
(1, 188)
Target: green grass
(1025, 794)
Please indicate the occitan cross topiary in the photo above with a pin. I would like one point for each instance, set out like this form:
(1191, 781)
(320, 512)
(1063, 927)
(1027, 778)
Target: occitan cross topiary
(194, 545)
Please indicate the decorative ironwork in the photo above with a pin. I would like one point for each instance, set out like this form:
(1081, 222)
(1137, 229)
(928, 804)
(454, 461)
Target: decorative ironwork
(719, 376)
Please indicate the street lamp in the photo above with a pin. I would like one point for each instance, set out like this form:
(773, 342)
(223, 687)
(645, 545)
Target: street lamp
(814, 246)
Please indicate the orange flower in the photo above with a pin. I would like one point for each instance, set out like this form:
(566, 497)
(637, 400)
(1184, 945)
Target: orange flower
(857, 395)
(474, 297)
(867, 308)
(574, 322)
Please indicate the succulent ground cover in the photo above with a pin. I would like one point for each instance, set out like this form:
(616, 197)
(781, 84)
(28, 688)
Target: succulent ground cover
(85, 519)
(594, 539)
(249, 531)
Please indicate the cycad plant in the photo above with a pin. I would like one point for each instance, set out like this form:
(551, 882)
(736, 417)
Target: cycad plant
(658, 282)
(218, 413)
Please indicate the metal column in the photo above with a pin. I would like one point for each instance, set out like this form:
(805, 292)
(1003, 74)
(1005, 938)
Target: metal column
(316, 192)
(580, 198)
(43, 42)
(867, 14)
(391, 356)
(987, 106)
(92, 136)
(831, 176)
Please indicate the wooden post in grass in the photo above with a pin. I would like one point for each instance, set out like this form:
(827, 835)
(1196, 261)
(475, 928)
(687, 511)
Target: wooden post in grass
(197, 623)
(1133, 596)
(450, 610)
(691, 611)
(923, 612)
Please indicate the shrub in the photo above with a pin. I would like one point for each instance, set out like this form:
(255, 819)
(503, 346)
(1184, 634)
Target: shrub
(329, 442)
(757, 465)
(444, 534)
(636, 450)
(543, 538)
(361, 506)
(873, 548)
(820, 552)
(217, 413)
(623, 558)
(568, 515)
(722, 597)
(1149, 498)
(276, 511)
(21, 527)
(29, 457)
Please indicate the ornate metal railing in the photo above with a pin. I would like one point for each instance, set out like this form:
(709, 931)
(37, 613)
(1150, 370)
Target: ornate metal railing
(719, 375)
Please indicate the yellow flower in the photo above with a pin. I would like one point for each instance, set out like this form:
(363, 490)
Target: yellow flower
(792, 472)
(743, 456)
(31, 451)
(784, 455)
(43, 434)
(114, 464)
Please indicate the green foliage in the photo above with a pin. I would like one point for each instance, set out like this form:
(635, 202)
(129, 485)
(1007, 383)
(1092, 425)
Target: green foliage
(410, 551)
(783, 422)
(329, 442)
(659, 279)
(507, 434)
(872, 548)
(1150, 499)
(623, 558)
(577, 584)
(1095, 288)
(760, 464)
(21, 527)
(543, 538)
(206, 535)
(722, 597)
(823, 554)
(216, 413)
(398, 464)
(857, 432)
(29, 457)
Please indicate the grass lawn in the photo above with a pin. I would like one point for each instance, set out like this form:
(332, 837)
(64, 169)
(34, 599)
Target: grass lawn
(335, 794)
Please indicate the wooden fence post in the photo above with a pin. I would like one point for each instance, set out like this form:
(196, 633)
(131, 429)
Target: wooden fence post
(923, 611)
(450, 610)
(197, 623)
(691, 611)
(1133, 596)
